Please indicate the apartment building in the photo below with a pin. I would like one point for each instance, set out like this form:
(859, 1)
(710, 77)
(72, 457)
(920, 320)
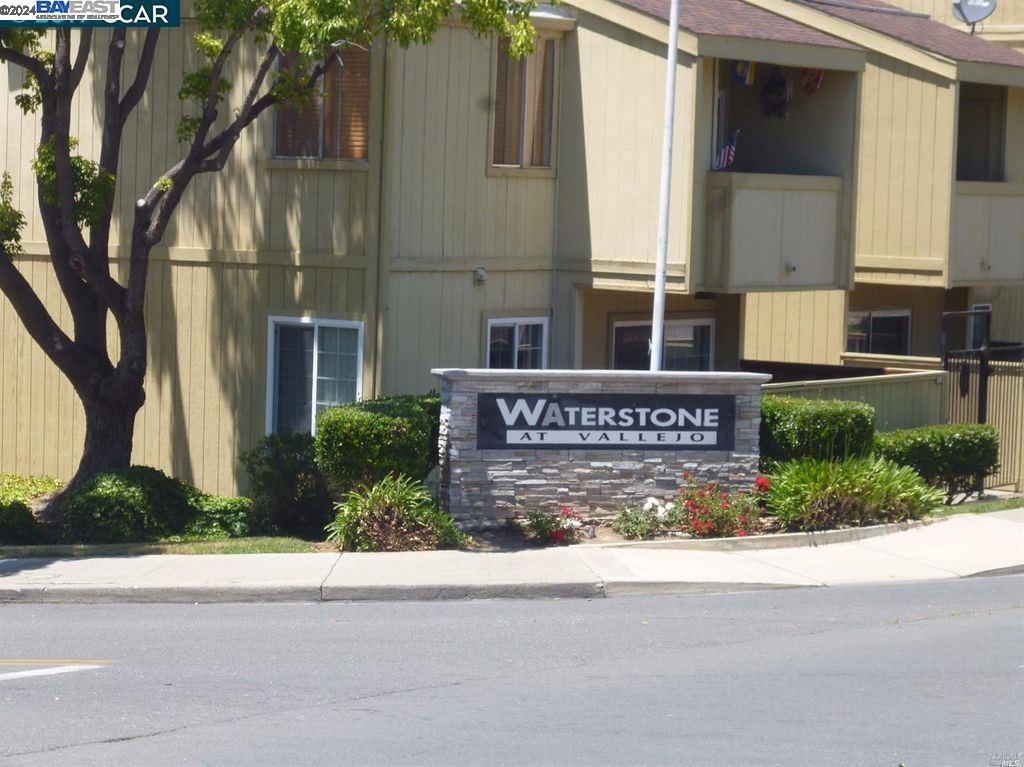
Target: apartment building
(842, 176)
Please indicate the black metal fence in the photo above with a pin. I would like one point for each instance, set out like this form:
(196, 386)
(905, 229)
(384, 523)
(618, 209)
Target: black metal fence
(987, 386)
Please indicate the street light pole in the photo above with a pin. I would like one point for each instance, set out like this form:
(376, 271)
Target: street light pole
(660, 274)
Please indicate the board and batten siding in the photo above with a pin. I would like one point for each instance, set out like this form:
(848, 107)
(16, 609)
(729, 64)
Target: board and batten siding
(803, 326)
(609, 152)
(263, 237)
(206, 383)
(448, 212)
(906, 170)
(901, 401)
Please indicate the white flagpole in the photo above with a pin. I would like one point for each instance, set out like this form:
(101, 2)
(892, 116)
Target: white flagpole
(660, 274)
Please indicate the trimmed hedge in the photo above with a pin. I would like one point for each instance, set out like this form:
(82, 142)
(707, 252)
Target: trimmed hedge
(362, 443)
(141, 504)
(289, 494)
(137, 504)
(18, 526)
(955, 457)
(793, 428)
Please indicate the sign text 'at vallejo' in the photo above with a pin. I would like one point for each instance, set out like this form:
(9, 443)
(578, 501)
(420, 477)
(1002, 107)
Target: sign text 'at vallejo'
(606, 422)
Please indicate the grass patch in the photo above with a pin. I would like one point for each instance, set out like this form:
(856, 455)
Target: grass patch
(255, 545)
(979, 507)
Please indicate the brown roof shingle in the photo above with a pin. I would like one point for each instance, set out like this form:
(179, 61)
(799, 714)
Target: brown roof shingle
(735, 18)
(921, 32)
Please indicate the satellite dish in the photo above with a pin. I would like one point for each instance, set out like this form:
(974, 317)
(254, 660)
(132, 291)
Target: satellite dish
(973, 11)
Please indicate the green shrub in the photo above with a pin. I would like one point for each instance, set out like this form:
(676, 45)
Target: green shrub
(550, 528)
(220, 517)
(813, 494)
(356, 446)
(289, 495)
(14, 486)
(955, 457)
(136, 504)
(423, 411)
(793, 428)
(18, 526)
(639, 522)
(395, 514)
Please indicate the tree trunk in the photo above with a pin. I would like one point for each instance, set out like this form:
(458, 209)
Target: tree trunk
(109, 430)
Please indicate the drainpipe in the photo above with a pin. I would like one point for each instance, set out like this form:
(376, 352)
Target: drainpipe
(660, 274)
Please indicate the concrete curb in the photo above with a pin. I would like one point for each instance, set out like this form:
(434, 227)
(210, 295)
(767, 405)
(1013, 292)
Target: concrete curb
(774, 541)
(158, 594)
(438, 592)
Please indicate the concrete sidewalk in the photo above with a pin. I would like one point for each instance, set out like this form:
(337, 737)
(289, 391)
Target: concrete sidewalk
(954, 547)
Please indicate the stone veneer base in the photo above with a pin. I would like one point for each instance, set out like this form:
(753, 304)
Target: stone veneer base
(482, 488)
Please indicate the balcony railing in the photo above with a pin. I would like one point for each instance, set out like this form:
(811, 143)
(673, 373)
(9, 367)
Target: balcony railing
(987, 242)
(774, 231)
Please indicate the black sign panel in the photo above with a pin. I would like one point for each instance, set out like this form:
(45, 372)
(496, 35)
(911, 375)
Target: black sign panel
(606, 422)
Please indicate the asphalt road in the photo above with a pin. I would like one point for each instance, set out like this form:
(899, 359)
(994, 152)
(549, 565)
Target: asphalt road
(922, 675)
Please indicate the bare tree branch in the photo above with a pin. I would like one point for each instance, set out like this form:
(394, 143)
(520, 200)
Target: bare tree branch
(31, 63)
(138, 87)
(81, 57)
(40, 324)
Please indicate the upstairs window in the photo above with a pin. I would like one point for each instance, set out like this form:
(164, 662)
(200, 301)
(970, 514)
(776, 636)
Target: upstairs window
(981, 133)
(884, 332)
(335, 123)
(524, 105)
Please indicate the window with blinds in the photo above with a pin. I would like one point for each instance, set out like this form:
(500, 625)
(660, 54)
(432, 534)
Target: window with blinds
(334, 124)
(524, 103)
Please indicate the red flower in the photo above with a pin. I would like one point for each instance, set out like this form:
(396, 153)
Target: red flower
(558, 536)
(741, 533)
(686, 475)
(762, 483)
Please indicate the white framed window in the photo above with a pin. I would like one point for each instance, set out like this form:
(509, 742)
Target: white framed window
(689, 344)
(312, 364)
(517, 343)
(878, 332)
(978, 326)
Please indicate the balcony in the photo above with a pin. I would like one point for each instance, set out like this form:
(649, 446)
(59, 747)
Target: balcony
(768, 231)
(987, 243)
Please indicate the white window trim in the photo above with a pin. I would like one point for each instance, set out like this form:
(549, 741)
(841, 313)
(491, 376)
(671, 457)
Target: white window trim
(971, 320)
(277, 320)
(870, 314)
(682, 321)
(516, 322)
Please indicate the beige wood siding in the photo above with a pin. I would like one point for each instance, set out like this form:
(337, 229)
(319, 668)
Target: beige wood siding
(439, 319)
(610, 145)
(447, 212)
(774, 231)
(1008, 13)
(904, 190)
(1007, 311)
(264, 237)
(926, 306)
(804, 326)
(206, 386)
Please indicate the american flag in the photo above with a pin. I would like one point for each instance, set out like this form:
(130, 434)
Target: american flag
(727, 154)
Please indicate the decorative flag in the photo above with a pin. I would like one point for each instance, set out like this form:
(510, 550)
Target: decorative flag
(744, 73)
(812, 81)
(727, 154)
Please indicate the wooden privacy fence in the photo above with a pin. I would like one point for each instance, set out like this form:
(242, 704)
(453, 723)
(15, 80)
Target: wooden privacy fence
(901, 400)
